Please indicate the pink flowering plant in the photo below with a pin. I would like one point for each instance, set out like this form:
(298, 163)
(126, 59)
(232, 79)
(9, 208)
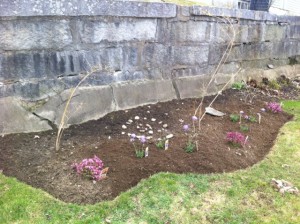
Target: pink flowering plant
(91, 168)
(274, 107)
(236, 139)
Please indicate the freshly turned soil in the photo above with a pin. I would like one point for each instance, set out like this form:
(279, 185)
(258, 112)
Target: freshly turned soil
(32, 158)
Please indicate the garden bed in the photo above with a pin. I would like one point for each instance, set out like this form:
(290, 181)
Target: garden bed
(32, 158)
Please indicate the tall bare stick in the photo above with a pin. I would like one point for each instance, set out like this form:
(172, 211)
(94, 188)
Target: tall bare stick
(64, 117)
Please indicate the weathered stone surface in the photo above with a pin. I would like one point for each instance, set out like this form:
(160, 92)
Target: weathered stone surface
(294, 32)
(31, 34)
(189, 87)
(195, 31)
(15, 119)
(123, 30)
(86, 7)
(88, 103)
(190, 55)
(275, 32)
(128, 95)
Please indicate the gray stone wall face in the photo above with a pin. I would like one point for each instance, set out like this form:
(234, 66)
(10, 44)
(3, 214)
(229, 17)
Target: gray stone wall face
(47, 46)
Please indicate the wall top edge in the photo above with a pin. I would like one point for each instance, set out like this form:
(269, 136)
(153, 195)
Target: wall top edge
(241, 14)
(29, 8)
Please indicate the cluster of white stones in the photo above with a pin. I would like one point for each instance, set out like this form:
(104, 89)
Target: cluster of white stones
(146, 129)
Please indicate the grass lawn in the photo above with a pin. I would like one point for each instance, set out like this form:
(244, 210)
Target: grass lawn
(241, 197)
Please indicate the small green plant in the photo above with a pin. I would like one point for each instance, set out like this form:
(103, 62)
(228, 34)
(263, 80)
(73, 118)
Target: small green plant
(190, 147)
(238, 85)
(244, 128)
(273, 84)
(160, 144)
(139, 153)
(234, 117)
(252, 119)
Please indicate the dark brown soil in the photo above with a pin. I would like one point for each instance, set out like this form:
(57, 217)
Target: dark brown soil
(33, 159)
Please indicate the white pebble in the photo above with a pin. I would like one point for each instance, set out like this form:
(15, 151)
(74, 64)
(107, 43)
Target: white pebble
(165, 125)
(169, 136)
(148, 112)
(160, 122)
(136, 117)
(145, 118)
(153, 119)
(124, 126)
(130, 121)
(123, 133)
(150, 132)
(159, 131)
(142, 130)
(138, 127)
(149, 137)
(166, 114)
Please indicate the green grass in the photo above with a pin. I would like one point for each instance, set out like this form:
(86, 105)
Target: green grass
(241, 197)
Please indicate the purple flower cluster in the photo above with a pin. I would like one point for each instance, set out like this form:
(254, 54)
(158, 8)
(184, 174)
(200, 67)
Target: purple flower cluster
(274, 107)
(91, 168)
(142, 138)
(236, 138)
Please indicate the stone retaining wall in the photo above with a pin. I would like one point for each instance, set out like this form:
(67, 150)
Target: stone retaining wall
(142, 53)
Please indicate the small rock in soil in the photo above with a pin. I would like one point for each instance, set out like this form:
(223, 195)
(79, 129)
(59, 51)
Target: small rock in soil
(165, 125)
(214, 112)
(150, 132)
(136, 117)
(153, 119)
(124, 126)
(169, 136)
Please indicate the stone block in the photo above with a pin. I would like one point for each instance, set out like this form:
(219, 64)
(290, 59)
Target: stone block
(95, 31)
(190, 55)
(191, 71)
(255, 33)
(195, 31)
(88, 103)
(154, 54)
(294, 32)
(217, 51)
(86, 8)
(15, 119)
(274, 33)
(133, 94)
(34, 34)
(195, 86)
